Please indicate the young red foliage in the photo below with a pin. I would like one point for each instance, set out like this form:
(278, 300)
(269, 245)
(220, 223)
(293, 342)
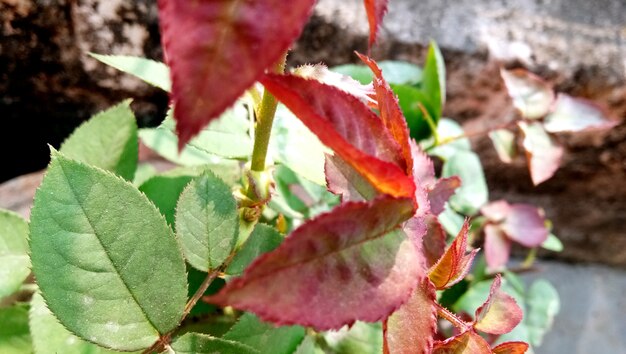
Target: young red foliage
(216, 49)
(455, 263)
(434, 241)
(468, 342)
(511, 348)
(411, 328)
(348, 127)
(351, 264)
(500, 313)
(375, 10)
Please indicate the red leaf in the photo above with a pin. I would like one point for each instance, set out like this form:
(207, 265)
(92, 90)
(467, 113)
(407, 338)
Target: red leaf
(500, 313)
(531, 95)
(348, 127)
(454, 264)
(543, 153)
(410, 329)
(321, 73)
(575, 114)
(526, 225)
(390, 112)
(434, 241)
(511, 348)
(443, 189)
(497, 247)
(423, 167)
(468, 342)
(350, 264)
(346, 182)
(216, 49)
(496, 211)
(376, 10)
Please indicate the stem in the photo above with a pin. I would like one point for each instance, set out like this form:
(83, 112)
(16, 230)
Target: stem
(452, 318)
(475, 134)
(431, 123)
(530, 258)
(265, 119)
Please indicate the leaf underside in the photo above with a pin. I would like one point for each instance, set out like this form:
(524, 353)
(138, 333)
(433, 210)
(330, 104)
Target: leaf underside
(356, 247)
(216, 49)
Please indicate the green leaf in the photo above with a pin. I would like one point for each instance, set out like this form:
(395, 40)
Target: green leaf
(265, 337)
(309, 346)
(479, 292)
(363, 338)
(410, 99)
(552, 243)
(50, 337)
(108, 140)
(207, 222)
(434, 80)
(105, 260)
(14, 259)
(504, 142)
(226, 136)
(144, 172)
(293, 145)
(197, 343)
(263, 239)
(451, 221)
(394, 72)
(544, 304)
(14, 333)
(451, 139)
(154, 73)
(473, 192)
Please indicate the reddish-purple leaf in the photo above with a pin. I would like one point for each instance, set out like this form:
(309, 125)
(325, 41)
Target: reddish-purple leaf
(375, 10)
(441, 191)
(216, 49)
(353, 263)
(497, 247)
(423, 167)
(576, 114)
(321, 73)
(434, 241)
(511, 348)
(500, 313)
(348, 127)
(468, 342)
(543, 153)
(455, 263)
(390, 111)
(343, 180)
(526, 225)
(496, 211)
(411, 328)
(532, 96)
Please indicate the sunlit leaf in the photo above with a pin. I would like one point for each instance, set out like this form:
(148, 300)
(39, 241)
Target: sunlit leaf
(452, 140)
(207, 222)
(412, 100)
(216, 49)
(13, 252)
(343, 180)
(473, 192)
(575, 114)
(375, 10)
(511, 348)
(198, 343)
(226, 136)
(497, 247)
(264, 337)
(348, 127)
(468, 342)
(411, 328)
(544, 304)
(500, 313)
(321, 73)
(552, 243)
(394, 72)
(532, 96)
(455, 262)
(111, 274)
(340, 249)
(361, 337)
(154, 73)
(526, 225)
(107, 140)
(504, 142)
(543, 153)
(50, 337)
(434, 80)
(14, 332)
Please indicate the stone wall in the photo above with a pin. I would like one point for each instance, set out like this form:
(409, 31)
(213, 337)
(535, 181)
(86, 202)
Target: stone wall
(48, 84)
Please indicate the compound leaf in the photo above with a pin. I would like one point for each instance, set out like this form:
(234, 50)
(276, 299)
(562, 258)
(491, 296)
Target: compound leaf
(105, 260)
(13, 252)
(108, 140)
(216, 49)
(356, 247)
(207, 222)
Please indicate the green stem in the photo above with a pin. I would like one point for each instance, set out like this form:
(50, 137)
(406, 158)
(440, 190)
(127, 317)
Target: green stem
(530, 258)
(265, 119)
